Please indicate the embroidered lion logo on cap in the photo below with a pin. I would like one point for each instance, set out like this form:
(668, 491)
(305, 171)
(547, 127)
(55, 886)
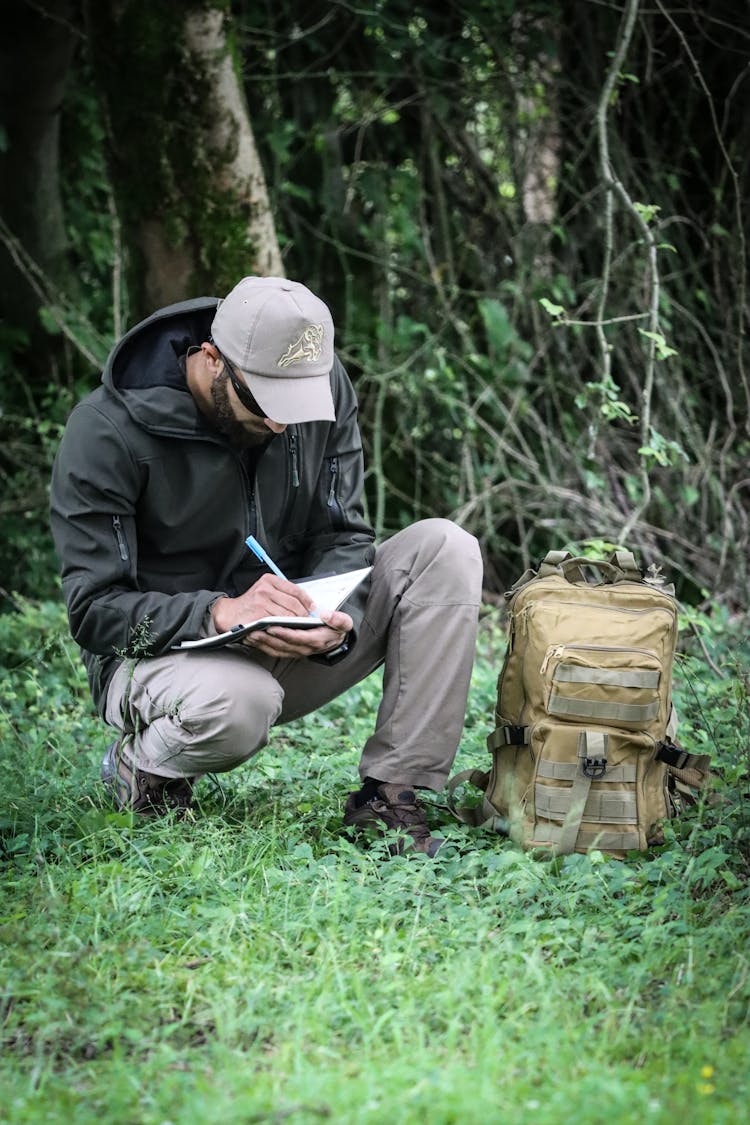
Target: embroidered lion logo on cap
(307, 349)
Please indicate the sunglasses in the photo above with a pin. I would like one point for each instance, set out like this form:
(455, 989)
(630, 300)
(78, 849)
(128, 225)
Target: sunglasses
(241, 389)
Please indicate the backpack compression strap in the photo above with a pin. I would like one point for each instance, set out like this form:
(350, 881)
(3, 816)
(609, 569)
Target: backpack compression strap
(692, 770)
(508, 735)
(477, 816)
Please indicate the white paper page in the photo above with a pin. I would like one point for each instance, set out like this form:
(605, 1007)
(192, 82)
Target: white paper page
(330, 592)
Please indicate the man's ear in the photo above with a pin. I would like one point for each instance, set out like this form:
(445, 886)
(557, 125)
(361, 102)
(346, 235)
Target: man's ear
(211, 354)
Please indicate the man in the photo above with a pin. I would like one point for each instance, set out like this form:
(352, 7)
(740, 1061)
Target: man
(215, 420)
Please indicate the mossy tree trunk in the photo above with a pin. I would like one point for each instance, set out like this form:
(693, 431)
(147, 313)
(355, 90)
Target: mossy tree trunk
(36, 47)
(189, 185)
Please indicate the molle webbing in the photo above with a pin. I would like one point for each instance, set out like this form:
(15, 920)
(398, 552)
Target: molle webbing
(550, 835)
(618, 806)
(599, 709)
(566, 771)
(612, 677)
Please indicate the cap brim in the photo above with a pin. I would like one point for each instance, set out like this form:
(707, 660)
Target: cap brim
(294, 399)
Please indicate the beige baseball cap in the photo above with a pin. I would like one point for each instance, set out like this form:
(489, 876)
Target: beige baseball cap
(279, 337)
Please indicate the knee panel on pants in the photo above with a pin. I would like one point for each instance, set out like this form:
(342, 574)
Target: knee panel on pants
(450, 556)
(232, 725)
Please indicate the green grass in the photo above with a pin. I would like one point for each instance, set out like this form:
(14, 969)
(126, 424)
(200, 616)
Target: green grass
(252, 965)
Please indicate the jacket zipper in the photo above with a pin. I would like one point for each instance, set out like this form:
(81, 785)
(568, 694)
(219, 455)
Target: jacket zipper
(253, 514)
(295, 464)
(122, 545)
(333, 500)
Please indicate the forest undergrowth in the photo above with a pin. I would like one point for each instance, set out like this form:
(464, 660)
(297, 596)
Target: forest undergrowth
(251, 964)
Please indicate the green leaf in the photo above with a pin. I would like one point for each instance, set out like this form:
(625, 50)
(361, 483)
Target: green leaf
(647, 211)
(50, 321)
(551, 307)
(663, 350)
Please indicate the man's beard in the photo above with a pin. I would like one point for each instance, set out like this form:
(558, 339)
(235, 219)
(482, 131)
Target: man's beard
(225, 421)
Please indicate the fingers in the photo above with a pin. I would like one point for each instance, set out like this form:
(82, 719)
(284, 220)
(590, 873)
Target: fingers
(270, 596)
(337, 620)
(282, 598)
(296, 643)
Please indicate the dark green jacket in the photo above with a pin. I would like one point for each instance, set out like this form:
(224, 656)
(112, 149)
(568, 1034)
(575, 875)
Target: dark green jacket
(150, 506)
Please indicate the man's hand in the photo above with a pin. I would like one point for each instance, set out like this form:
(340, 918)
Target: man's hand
(304, 642)
(271, 596)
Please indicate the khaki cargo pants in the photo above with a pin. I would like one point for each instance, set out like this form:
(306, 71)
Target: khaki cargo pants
(193, 713)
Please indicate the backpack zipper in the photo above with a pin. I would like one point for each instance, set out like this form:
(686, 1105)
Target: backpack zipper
(536, 606)
(552, 653)
(558, 651)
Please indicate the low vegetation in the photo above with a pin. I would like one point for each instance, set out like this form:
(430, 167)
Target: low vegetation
(251, 964)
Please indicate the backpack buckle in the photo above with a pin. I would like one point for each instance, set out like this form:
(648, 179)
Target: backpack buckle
(515, 735)
(592, 750)
(594, 767)
(673, 755)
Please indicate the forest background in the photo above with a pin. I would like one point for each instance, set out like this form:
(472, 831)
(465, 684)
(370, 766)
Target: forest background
(529, 221)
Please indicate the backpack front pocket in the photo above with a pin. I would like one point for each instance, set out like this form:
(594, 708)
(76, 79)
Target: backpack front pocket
(604, 685)
(611, 806)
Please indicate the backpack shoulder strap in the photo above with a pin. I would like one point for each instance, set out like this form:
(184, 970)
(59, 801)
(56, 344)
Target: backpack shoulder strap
(475, 816)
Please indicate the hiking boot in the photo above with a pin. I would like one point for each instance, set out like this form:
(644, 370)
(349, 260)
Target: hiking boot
(393, 807)
(135, 790)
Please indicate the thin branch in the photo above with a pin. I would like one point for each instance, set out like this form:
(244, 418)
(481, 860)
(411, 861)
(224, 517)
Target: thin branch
(42, 286)
(614, 186)
(742, 310)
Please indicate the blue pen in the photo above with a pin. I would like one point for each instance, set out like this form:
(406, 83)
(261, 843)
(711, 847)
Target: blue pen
(256, 548)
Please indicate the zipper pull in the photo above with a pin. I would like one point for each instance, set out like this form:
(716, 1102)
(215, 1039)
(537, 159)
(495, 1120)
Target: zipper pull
(293, 453)
(553, 652)
(334, 465)
(122, 545)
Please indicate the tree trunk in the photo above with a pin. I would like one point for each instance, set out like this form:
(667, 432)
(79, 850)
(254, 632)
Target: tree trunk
(35, 52)
(186, 174)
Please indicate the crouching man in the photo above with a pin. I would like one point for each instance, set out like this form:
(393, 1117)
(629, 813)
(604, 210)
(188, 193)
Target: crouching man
(216, 420)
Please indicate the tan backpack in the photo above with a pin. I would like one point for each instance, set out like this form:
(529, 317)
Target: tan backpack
(582, 752)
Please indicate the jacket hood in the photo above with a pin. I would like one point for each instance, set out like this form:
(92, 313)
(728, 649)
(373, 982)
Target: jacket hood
(141, 370)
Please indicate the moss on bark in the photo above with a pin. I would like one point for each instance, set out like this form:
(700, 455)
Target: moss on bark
(186, 228)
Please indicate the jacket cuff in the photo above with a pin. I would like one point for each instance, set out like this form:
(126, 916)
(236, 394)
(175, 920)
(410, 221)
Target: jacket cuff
(208, 625)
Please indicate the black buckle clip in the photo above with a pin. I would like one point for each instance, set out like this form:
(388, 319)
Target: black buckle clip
(673, 755)
(515, 735)
(594, 767)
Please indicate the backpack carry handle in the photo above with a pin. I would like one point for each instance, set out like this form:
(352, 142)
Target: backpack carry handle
(620, 567)
(608, 570)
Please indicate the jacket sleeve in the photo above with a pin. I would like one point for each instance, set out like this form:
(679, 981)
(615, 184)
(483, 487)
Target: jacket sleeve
(339, 537)
(96, 483)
